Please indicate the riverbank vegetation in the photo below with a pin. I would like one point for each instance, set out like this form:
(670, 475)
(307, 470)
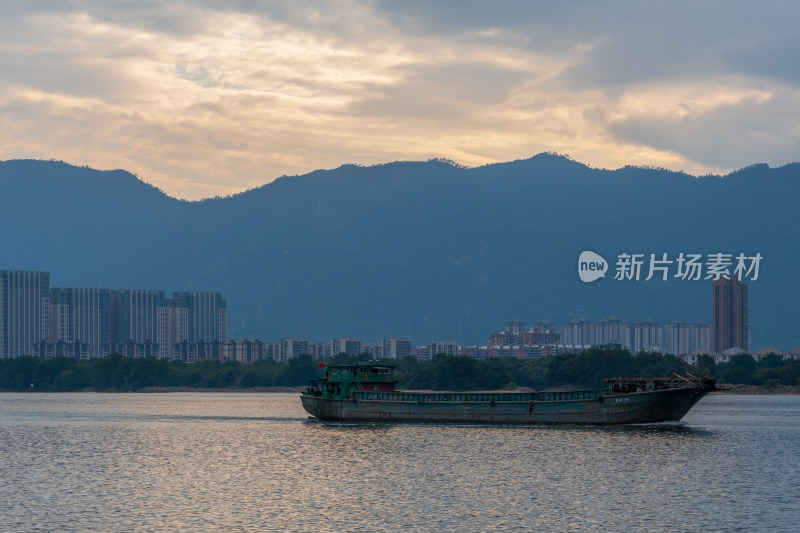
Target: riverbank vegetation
(120, 374)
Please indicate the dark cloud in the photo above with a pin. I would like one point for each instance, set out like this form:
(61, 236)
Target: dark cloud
(727, 136)
(630, 42)
(455, 16)
(774, 60)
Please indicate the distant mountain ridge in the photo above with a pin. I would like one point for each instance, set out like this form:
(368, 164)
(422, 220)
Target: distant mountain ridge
(425, 249)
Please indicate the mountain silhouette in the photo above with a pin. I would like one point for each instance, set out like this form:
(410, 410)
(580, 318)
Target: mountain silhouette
(428, 249)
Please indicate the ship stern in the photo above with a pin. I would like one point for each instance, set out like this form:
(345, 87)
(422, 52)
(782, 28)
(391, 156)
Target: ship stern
(326, 409)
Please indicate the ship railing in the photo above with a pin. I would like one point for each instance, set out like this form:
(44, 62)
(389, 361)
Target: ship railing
(479, 397)
(314, 388)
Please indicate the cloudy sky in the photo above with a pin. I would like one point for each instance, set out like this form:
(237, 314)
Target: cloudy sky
(209, 98)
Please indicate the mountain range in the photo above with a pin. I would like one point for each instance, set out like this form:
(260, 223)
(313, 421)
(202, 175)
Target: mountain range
(430, 249)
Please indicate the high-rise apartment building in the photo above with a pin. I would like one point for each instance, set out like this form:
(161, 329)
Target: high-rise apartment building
(646, 336)
(614, 331)
(289, 348)
(583, 332)
(139, 315)
(397, 348)
(446, 348)
(320, 350)
(702, 337)
(345, 344)
(173, 328)
(195, 317)
(207, 315)
(374, 349)
(687, 338)
(426, 353)
(729, 328)
(24, 311)
(81, 316)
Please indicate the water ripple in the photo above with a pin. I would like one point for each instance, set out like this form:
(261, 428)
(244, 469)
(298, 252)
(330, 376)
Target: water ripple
(251, 462)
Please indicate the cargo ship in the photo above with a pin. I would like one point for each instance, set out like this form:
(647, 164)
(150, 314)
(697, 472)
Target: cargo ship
(367, 393)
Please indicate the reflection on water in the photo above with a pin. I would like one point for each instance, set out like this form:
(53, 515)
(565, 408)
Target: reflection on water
(253, 462)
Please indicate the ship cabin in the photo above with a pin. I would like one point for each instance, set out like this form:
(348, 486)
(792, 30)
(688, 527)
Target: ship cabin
(340, 381)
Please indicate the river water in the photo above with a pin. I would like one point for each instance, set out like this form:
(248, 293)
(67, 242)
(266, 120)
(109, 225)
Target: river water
(253, 462)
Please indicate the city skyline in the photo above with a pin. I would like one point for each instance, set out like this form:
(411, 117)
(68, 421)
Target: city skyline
(87, 323)
(91, 323)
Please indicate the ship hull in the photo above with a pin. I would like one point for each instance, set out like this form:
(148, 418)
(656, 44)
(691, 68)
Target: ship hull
(583, 407)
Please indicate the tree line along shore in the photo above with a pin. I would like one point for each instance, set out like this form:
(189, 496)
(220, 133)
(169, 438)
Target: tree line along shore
(116, 373)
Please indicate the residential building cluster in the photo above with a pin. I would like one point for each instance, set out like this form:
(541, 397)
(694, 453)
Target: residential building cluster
(521, 342)
(85, 323)
(390, 348)
(642, 335)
